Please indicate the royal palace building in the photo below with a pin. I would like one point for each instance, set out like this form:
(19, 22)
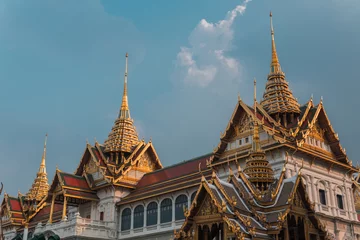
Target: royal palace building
(278, 172)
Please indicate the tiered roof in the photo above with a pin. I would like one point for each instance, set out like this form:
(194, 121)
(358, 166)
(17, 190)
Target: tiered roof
(246, 215)
(40, 187)
(278, 98)
(123, 136)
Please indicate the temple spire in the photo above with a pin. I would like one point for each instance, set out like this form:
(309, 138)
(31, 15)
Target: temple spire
(278, 99)
(275, 64)
(40, 186)
(123, 136)
(124, 110)
(42, 168)
(258, 168)
(256, 138)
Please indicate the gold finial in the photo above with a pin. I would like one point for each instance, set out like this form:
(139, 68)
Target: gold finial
(87, 141)
(255, 97)
(275, 65)
(42, 165)
(321, 100)
(57, 168)
(95, 140)
(124, 111)
(239, 98)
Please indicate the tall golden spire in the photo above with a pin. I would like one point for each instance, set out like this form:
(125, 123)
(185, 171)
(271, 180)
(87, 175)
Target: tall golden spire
(40, 186)
(275, 64)
(258, 168)
(124, 110)
(123, 136)
(278, 99)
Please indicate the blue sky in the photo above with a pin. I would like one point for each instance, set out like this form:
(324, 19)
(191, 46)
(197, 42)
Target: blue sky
(62, 65)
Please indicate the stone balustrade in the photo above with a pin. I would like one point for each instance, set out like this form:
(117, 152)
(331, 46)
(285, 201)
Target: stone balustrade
(78, 226)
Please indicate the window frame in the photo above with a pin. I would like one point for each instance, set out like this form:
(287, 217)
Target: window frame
(322, 197)
(128, 218)
(340, 203)
(138, 219)
(150, 217)
(180, 202)
(166, 209)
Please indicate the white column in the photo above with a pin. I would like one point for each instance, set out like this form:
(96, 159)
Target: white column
(331, 198)
(145, 214)
(309, 189)
(26, 231)
(173, 211)
(314, 192)
(132, 221)
(158, 215)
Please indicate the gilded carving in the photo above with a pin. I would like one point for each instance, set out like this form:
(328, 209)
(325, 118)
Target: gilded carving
(244, 125)
(208, 208)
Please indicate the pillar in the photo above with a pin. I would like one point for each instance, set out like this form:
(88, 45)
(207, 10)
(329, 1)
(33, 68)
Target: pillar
(173, 211)
(332, 199)
(26, 231)
(158, 215)
(64, 209)
(52, 207)
(314, 192)
(196, 229)
(145, 214)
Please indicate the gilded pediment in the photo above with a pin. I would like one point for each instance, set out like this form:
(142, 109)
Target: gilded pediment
(207, 207)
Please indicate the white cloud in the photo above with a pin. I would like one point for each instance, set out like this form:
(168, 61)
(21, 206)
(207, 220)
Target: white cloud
(206, 58)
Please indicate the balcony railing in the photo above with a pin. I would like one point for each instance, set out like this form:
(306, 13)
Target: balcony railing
(78, 226)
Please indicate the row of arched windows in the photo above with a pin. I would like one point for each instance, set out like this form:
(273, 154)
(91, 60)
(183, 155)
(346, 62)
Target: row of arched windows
(152, 212)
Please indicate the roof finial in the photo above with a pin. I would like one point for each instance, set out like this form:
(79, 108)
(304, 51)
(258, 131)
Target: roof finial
(124, 111)
(42, 165)
(255, 96)
(275, 65)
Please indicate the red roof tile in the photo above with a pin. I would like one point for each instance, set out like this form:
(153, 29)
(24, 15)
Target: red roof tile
(174, 171)
(75, 181)
(15, 205)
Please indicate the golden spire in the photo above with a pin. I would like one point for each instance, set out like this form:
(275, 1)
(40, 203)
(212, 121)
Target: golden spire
(124, 110)
(40, 186)
(42, 168)
(257, 167)
(275, 65)
(278, 99)
(123, 136)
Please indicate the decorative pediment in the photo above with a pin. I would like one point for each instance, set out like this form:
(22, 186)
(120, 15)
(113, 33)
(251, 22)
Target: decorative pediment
(207, 207)
(243, 125)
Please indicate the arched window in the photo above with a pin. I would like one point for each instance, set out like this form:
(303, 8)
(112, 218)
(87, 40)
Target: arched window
(151, 214)
(166, 211)
(193, 196)
(125, 219)
(139, 217)
(180, 202)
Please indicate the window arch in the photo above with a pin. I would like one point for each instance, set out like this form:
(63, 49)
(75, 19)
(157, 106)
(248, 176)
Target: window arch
(151, 214)
(166, 211)
(180, 202)
(193, 196)
(139, 216)
(125, 219)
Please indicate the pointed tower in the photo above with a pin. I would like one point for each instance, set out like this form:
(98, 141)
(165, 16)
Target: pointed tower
(258, 168)
(40, 186)
(278, 99)
(123, 136)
